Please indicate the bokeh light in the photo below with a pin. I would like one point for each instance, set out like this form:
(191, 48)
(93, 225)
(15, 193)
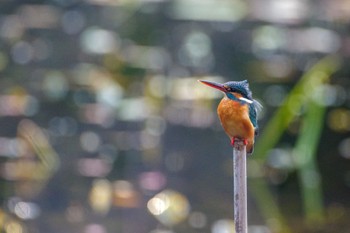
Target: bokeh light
(12, 27)
(63, 126)
(152, 181)
(100, 197)
(13, 226)
(196, 50)
(344, 148)
(169, 207)
(223, 226)
(90, 141)
(125, 195)
(27, 210)
(339, 120)
(103, 123)
(73, 22)
(99, 41)
(286, 11)
(95, 228)
(22, 52)
(55, 85)
(258, 229)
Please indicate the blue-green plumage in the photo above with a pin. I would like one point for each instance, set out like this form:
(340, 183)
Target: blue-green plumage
(242, 87)
(238, 111)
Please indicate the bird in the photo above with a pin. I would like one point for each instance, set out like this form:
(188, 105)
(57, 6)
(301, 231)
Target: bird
(238, 112)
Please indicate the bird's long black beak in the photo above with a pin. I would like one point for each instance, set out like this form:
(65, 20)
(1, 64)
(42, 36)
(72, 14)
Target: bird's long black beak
(216, 85)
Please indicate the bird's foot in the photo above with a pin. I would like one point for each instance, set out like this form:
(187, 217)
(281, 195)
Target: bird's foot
(236, 139)
(245, 142)
(233, 141)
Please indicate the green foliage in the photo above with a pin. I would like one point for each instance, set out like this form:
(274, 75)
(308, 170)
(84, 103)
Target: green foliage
(300, 98)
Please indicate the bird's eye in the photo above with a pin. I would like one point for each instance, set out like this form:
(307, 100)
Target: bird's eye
(228, 88)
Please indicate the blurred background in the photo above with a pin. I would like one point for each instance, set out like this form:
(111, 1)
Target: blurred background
(104, 127)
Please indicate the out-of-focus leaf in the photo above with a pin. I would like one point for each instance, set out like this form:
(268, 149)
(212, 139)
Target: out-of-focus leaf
(305, 155)
(301, 93)
(300, 96)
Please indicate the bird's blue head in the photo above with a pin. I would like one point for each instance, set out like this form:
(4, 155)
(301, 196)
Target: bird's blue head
(240, 87)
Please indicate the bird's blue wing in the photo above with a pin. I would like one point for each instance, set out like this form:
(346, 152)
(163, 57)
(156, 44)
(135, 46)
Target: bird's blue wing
(254, 108)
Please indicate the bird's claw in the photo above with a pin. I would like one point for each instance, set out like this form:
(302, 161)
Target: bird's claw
(236, 139)
(233, 141)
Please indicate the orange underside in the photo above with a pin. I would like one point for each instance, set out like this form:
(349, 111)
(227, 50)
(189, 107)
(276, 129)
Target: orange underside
(235, 120)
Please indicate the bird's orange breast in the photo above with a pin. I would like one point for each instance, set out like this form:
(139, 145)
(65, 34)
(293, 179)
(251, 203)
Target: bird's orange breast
(234, 118)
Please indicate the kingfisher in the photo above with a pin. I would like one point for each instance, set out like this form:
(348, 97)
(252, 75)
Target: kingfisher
(238, 112)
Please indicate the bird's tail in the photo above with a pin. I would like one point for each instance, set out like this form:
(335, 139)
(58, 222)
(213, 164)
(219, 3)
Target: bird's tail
(250, 151)
(258, 106)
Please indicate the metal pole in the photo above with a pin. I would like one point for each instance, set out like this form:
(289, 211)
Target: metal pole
(240, 187)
